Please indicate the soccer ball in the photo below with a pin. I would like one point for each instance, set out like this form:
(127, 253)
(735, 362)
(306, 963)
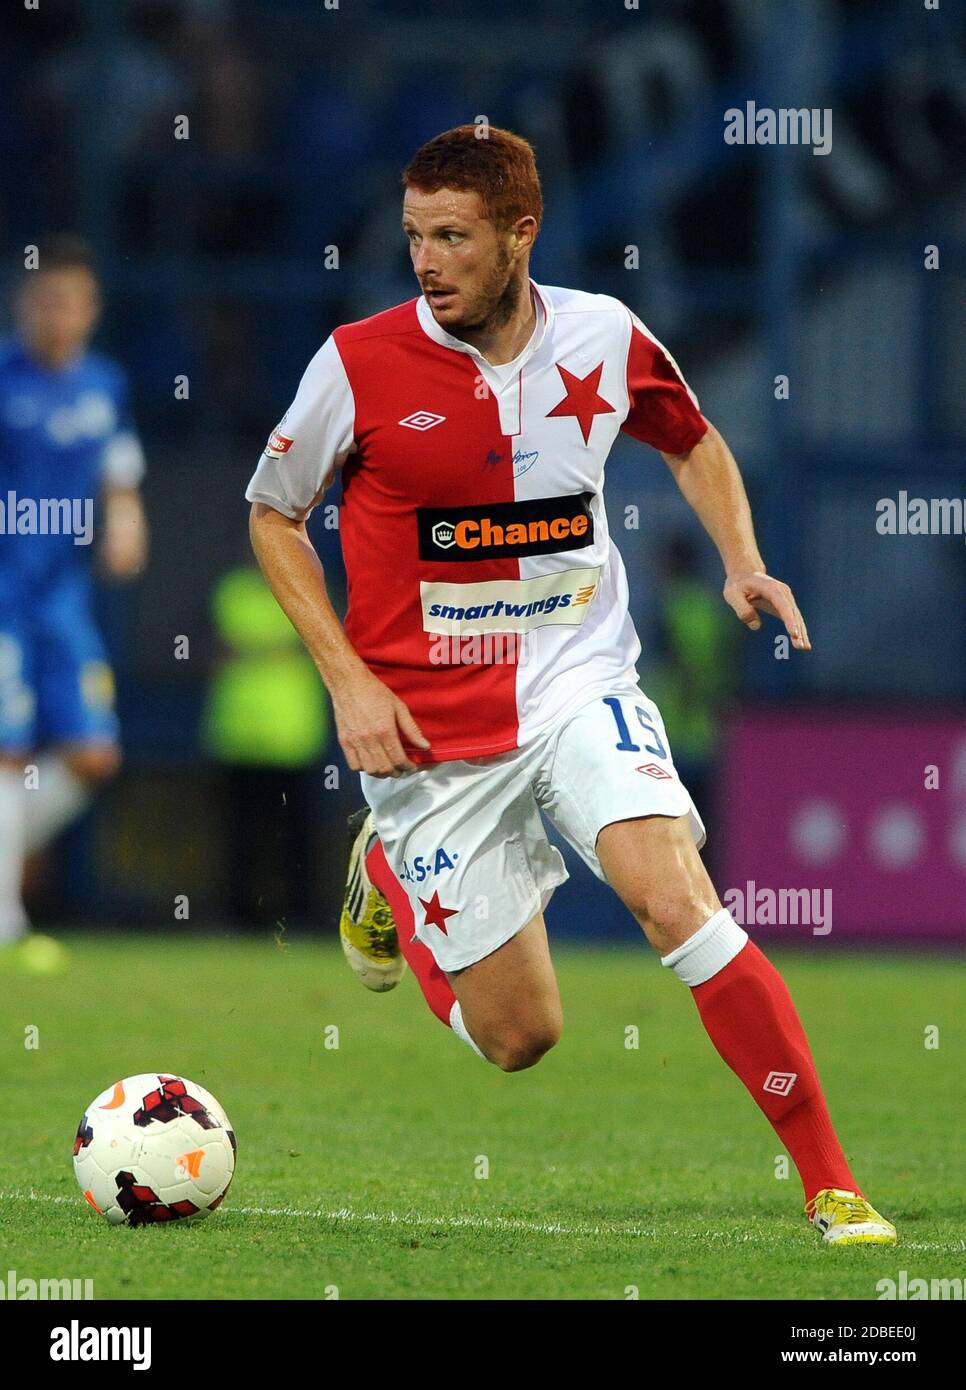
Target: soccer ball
(154, 1147)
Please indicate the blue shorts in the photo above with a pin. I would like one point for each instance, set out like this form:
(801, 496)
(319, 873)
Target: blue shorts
(56, 685)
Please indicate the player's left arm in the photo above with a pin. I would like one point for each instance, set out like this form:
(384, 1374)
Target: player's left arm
(663, 411)
(124, 542)
(711, 483)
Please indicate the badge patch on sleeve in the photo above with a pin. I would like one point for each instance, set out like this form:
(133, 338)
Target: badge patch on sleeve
(278, 444)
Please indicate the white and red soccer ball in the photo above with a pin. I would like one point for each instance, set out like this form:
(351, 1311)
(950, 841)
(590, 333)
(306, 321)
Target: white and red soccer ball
(153, 1148)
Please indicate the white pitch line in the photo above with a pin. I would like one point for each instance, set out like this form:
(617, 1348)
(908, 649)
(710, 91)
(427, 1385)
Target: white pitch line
(493, 1223)
(388, 1218)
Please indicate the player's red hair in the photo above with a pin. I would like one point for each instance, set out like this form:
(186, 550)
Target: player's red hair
(497, 164)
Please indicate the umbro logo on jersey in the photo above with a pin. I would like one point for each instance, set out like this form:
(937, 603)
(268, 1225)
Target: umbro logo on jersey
(422, 420)
(653, 770)
(780, 1083)
(536, 526)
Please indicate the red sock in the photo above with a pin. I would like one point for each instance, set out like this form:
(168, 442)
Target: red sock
(749, 1015)
(436, 988)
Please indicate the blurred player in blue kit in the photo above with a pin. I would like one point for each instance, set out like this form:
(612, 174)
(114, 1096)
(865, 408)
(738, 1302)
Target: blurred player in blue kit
(67, 445)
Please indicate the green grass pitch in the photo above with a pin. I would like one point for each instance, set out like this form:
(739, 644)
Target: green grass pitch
(360, 1167)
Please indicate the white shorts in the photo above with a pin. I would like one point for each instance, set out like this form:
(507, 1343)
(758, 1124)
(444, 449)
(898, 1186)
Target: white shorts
(466, 839)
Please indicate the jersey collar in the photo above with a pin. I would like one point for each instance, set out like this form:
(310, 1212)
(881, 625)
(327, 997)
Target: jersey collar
(439, 335)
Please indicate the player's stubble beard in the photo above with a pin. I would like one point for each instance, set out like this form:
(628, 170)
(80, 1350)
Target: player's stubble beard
(498, 297)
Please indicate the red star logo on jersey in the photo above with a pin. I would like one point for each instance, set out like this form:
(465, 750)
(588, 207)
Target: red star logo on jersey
(436, 914)
(582, 399)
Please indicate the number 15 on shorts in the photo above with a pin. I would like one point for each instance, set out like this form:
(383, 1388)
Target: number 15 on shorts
(625, 743)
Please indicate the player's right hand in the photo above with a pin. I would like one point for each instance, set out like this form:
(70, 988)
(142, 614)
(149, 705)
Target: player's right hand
(369, 720)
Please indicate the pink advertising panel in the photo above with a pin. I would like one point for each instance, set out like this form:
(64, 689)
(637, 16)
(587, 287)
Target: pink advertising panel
(845, 826)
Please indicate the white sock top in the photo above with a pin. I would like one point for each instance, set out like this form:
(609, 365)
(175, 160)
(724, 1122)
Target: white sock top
(709, 950)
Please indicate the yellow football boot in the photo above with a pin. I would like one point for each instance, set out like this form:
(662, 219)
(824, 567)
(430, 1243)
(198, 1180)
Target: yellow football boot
(34, 954)
(366, 928)
(844, 1218)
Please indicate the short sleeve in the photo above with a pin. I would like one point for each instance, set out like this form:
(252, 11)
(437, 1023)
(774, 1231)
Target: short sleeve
(663, 410)
(313, 438)
(122, 464)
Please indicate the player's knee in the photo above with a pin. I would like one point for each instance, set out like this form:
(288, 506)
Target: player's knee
(669, 920)
(94, 764)
(524, 1047)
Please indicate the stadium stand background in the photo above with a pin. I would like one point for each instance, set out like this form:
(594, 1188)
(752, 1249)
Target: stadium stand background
(752, 264)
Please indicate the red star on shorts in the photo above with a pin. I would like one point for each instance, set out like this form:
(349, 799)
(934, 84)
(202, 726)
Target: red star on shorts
(436, 913)
(582, 399)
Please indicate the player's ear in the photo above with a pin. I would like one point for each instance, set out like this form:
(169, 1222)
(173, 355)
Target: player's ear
(524, 232)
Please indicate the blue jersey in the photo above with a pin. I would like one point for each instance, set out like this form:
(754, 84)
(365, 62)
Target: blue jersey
(64, 433)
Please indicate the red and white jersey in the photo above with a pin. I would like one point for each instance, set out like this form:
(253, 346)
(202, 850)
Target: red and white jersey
(473, 506)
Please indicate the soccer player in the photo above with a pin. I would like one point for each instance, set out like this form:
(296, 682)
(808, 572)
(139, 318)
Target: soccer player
(65, 437)
(486, 671)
